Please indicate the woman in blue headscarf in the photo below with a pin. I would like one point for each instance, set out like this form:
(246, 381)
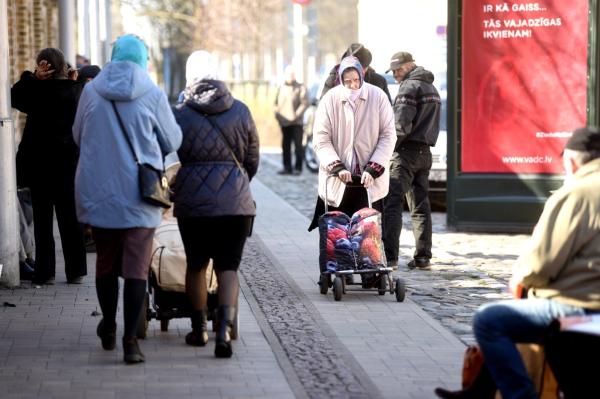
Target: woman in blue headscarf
(107, 188)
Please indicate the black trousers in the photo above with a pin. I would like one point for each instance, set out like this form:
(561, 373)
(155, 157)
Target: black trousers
(220, 238)
(409, 179)
(292, 134)
(49, 195)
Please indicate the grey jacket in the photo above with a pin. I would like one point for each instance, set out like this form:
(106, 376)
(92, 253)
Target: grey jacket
(417, 109)
(209, 182)
(107, 191)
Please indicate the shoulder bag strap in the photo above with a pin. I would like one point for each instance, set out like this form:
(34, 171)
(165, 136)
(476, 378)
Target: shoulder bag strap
(124, 131)
(226, 142)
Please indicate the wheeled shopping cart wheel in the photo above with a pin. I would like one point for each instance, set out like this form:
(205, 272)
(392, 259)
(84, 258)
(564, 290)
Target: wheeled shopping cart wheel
(338, 288)
(142, 327)
(400, 290)
(164, 325)
(323, 283)
(382, 284)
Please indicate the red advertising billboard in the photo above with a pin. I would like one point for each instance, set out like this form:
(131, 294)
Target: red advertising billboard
(524, 83)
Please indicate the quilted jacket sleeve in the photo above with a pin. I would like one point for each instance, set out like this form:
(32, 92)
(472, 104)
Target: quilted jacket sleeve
(167, 130)
(252, 153)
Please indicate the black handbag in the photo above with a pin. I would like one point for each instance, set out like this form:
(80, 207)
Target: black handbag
(154, 185)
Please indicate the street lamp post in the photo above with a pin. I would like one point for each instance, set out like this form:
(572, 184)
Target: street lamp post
(66, 13)
(299, 32)
(298, 43)
(9, 233)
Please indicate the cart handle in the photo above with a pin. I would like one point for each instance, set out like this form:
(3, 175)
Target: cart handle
(355, 183)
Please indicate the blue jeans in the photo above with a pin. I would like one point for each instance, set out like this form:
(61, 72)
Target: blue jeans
(498, 326)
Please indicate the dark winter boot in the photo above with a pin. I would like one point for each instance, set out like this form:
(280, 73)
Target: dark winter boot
(134, 294)
(107, 288)
(131, 351)
(483, 387)
(225, 315)
(199, 334)
(107, 332)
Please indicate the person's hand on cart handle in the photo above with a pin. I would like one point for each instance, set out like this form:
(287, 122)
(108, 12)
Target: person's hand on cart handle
(367, 180)
(345, 176)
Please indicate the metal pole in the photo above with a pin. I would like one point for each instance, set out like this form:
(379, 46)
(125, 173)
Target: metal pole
(94, 30)
(86, 30)
(66, 10)
(9, 225)
(298, 43)
(108, 25)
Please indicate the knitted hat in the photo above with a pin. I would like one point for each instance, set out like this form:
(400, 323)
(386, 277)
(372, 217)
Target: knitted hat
(584, 139)
(88, 71)
(200, 65)
(130, 48)
(361, 52)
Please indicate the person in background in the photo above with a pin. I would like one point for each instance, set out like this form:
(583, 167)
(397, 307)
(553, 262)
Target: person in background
(364, 56)
(417, 110)
(213, 203)
(290, 103)
(81, 61)
(559, 270)
(26, 235)
(46, 162)
(353, 135)
(107, 187)
(88, 72)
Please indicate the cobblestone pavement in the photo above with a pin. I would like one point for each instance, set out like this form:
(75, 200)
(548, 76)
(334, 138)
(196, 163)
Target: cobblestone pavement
(315, 357)
(468, 268)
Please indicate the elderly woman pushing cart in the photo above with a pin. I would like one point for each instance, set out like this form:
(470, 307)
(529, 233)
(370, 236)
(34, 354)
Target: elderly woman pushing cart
(354, 137)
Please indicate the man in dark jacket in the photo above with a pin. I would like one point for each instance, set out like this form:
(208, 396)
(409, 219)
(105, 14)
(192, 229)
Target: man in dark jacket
(417, 113)
(365, 57)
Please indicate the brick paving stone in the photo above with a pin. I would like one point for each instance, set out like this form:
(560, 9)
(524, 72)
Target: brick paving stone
(49, 348)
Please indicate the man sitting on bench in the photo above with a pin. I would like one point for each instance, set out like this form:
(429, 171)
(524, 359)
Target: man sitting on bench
(559, 270)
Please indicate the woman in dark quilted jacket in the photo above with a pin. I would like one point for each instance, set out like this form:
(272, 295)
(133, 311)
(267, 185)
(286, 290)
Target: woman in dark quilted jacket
(213, 204)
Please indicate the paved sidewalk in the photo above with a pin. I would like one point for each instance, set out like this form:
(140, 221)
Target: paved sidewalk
(49, 349)
(469, 269)
(404, 351)
(48, 346)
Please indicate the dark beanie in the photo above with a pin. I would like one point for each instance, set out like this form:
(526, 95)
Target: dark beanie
(88, 71)
(361, 52)
(584, 139)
